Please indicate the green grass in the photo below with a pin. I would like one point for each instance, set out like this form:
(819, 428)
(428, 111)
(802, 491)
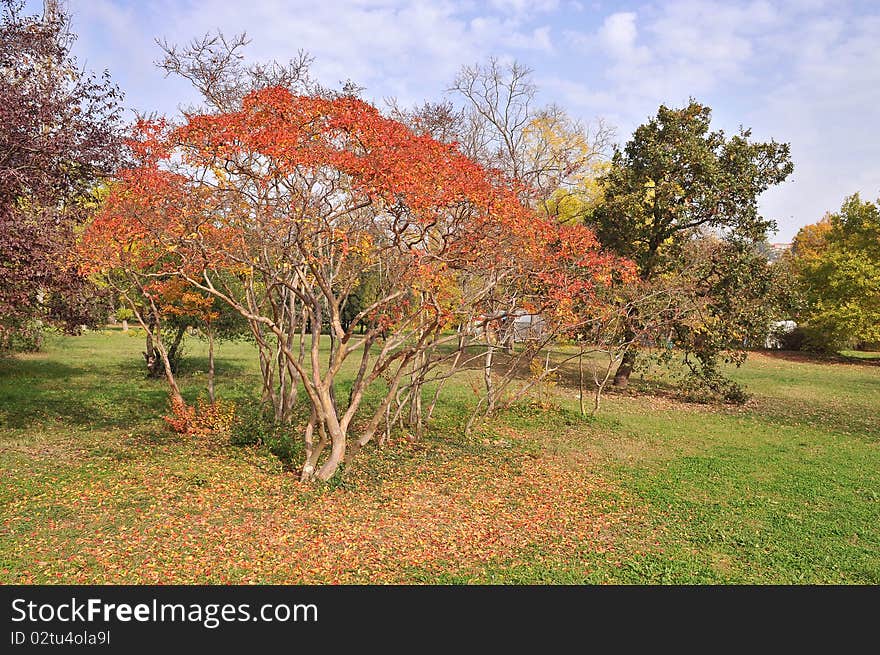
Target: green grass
(785, 489)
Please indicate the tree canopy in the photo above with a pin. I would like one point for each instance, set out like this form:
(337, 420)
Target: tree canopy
(282, 207)
(837, 264)
(675, 176)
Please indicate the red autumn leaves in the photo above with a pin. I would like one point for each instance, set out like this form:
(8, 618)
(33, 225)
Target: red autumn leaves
(162, 206)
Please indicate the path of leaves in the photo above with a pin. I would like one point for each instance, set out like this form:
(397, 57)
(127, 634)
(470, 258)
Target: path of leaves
(221, 516)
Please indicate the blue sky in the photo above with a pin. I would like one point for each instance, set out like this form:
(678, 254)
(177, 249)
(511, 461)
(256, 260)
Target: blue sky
(802, 71)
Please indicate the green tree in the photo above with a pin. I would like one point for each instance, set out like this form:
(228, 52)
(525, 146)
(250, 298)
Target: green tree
(676, 179)
(731, 294)
(364, 294)
(837, 264)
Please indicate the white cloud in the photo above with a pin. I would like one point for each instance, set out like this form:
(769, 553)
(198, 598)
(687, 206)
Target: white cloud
(618, 34)
(523, 8)
(389, 46)
(827, 108)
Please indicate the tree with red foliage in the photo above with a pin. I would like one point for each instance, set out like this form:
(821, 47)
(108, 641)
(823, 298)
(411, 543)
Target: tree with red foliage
(295, 197)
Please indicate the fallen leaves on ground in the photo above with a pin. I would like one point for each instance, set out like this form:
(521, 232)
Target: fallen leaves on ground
(222, 515)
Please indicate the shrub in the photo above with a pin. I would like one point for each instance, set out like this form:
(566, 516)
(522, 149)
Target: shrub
(214, 418)
(707, 384)
(22, 337)
(807, 339)
(181, 416)
(254, 425)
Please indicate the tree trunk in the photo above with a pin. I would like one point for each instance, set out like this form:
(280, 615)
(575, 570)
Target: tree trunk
(621, 378)
(169, 375)
(337, 437)
(487, 379)
(581, 382)
(313, 450)
(172, 351)
(151, 354)
(124, 325)
(158, 362)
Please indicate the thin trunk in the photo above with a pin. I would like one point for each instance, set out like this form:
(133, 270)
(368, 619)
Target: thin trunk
(265, 363)
(373, 425)
(487, 378)
(581, 382)
(169, 374)
(313, 450)
(150, 355)
(415, 404)
(155, 345)
(278, 363)
(334, 345)
(290, 371)
(211, 365)
(600, 386)
(337, 437)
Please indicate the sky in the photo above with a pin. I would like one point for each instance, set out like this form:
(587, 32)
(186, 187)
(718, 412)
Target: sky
(806, 72)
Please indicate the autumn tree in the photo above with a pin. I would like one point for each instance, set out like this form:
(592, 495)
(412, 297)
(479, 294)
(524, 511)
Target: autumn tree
(298, 197)
(294, 204)
(675, 179)
(59, 135)
(837, 266)
(730, 294)
(215, 66)
(550, 158)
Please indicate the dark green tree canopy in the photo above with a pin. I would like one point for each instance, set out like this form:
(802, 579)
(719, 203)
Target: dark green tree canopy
(675, 176)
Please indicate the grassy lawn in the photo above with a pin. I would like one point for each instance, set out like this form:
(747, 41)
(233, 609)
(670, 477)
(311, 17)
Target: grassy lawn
(785, 489)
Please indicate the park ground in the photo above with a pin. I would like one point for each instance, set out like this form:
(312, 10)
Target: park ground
(786, 489)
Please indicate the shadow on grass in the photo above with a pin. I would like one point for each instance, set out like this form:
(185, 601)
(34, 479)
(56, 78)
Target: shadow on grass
(188, 367)
(853, 421)
(12, 369)
(37, 392)
(199, 365)
(110, 409)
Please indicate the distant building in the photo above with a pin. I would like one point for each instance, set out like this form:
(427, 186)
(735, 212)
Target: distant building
(778, 331)
(527, 327)
(776, 250)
